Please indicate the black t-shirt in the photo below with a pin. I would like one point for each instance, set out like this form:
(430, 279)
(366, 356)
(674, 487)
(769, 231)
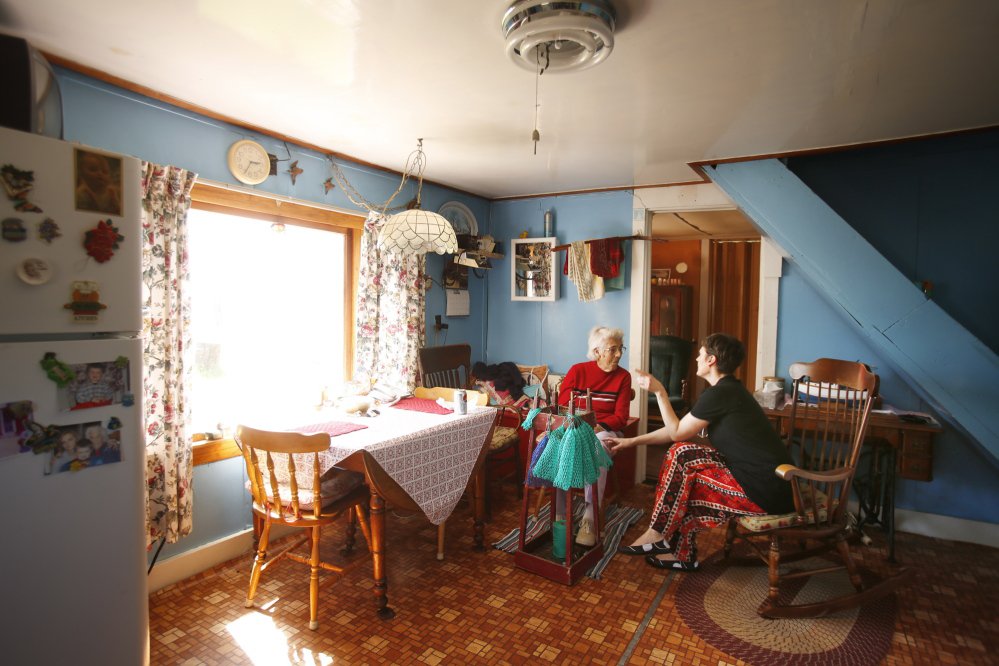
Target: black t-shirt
(738, 428)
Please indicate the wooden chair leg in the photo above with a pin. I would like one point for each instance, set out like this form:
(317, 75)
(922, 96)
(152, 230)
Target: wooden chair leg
(258, 562)
(440, 540)
(314, 579)
(730, 533)
(773, 576)
(350, 536)
(361, 512)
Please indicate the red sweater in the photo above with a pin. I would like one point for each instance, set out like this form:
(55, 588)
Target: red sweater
(610, 391)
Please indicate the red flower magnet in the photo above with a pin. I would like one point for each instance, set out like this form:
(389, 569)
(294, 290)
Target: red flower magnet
(102, 241)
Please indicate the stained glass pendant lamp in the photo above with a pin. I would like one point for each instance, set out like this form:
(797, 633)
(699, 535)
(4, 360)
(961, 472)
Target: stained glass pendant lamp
(416, 231)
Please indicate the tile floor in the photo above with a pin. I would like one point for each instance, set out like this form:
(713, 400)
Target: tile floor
(479, 608)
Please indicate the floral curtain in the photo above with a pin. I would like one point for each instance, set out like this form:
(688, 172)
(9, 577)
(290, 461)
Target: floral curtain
(166, 198)
(390, 311)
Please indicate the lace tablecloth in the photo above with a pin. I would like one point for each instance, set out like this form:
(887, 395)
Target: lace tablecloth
(431, 456)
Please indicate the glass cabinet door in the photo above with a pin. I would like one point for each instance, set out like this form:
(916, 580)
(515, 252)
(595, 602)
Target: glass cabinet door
(533, 276)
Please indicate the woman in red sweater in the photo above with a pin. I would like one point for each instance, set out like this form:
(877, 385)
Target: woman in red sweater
(610, 393)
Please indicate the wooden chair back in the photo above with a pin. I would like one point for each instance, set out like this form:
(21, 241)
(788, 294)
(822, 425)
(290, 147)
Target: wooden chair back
(449, 366)
(832, 401)
(263, 452)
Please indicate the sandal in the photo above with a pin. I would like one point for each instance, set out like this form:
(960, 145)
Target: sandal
(672, 564)
(655, 548)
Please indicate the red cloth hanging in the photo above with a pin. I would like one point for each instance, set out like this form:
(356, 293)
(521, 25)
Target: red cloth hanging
(606, 256)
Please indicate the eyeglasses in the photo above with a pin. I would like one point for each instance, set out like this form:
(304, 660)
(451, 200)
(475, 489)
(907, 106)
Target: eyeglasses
(615, 350)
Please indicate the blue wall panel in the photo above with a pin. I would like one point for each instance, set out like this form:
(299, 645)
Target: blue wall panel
(556, 332)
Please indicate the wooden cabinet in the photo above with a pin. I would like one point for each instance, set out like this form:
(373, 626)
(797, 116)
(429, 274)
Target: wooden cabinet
(671, 311)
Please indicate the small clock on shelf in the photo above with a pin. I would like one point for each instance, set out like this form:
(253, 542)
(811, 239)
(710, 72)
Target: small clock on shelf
(461, 218)
(249, 162)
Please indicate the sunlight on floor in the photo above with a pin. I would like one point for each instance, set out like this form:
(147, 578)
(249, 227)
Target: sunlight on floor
(265, 644)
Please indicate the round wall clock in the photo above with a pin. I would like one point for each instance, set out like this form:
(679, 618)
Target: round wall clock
(461, 218)
(249, 162)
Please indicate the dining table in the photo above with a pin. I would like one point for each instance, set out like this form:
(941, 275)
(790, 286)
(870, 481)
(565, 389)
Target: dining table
(416, 455)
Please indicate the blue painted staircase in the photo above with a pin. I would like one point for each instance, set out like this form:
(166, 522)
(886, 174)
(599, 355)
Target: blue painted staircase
(945, 364)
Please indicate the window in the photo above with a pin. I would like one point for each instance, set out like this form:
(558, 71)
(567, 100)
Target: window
(271, 311)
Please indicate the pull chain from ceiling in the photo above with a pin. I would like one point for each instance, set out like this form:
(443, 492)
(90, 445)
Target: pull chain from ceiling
(539, 70)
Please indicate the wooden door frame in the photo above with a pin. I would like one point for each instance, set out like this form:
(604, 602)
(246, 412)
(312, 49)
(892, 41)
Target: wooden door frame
(679, 199)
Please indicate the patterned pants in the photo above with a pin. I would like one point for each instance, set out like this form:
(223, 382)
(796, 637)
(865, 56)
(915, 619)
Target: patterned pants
(696, 492)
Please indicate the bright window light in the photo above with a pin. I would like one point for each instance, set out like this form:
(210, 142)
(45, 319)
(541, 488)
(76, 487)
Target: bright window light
(267, 319)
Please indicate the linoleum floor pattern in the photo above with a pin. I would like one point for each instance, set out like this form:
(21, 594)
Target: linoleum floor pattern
(479, 608)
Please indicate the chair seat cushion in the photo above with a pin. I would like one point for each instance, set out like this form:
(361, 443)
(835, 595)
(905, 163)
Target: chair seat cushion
(765, 522)
(333, 485)
(502, 438)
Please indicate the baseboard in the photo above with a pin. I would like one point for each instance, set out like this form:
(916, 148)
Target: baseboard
(196, 560)
(947, 527)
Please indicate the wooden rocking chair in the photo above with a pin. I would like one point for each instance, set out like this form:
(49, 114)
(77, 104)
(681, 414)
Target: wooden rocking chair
(828, 421)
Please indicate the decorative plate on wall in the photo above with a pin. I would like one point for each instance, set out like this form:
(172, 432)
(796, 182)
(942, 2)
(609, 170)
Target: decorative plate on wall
(461, 218)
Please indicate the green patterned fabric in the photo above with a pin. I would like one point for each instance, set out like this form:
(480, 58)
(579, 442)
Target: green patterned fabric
(572, 457)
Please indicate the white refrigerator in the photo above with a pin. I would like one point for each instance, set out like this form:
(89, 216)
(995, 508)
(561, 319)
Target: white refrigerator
(72, 460)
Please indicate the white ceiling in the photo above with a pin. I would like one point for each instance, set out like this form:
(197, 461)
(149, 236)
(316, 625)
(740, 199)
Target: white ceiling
(687, 81)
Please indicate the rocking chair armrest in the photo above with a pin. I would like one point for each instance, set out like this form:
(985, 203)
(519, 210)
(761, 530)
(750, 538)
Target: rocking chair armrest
(790, 472)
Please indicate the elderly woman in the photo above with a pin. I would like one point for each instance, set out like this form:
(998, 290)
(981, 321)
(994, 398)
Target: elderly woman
(610, 391)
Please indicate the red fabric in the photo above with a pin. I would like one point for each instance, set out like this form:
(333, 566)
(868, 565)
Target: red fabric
(610, 391)
(422, 405)
(696, 492)
(606, 256)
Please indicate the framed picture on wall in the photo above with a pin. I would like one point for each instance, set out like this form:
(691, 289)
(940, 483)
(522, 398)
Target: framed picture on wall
(533, 275)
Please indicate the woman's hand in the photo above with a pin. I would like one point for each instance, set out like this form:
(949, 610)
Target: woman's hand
(615, 444)
(650, 383)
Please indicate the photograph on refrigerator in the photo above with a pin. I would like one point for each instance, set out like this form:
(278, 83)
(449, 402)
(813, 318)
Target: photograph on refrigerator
(83, 445)
(98, 182)
(15, 419)
(96, 384)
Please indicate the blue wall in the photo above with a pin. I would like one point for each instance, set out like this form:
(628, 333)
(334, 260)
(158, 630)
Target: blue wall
(926, 207)
(929, 208)
(555, 332)
(107, 117)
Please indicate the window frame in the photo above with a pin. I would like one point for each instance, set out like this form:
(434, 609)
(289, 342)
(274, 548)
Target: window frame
(205, 196)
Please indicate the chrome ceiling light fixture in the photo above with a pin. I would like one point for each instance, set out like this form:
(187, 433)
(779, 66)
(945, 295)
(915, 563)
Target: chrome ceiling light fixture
(570, 35)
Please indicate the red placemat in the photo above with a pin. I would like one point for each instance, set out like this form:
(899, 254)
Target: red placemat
(422, 405)
(333, 428)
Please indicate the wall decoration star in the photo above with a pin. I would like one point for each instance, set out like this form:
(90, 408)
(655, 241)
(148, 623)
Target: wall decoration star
(295, 171)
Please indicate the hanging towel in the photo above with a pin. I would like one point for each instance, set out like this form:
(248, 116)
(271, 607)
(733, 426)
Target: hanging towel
(590, 286)
(606, 255)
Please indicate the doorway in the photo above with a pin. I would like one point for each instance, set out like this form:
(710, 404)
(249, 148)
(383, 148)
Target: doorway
(704, 278)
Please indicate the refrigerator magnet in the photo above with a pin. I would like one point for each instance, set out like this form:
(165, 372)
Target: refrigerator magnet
(61, 373)
(18, 183)
(85, 303)
(48, 230)
(102, 241)
(13, 230)
(34, 271)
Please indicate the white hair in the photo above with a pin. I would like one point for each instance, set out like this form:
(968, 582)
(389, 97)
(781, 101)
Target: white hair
(600, 335)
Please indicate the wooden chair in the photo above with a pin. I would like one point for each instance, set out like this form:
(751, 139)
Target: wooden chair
(825, 431)
(536, 375)
(449, 366)
(295, 505)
